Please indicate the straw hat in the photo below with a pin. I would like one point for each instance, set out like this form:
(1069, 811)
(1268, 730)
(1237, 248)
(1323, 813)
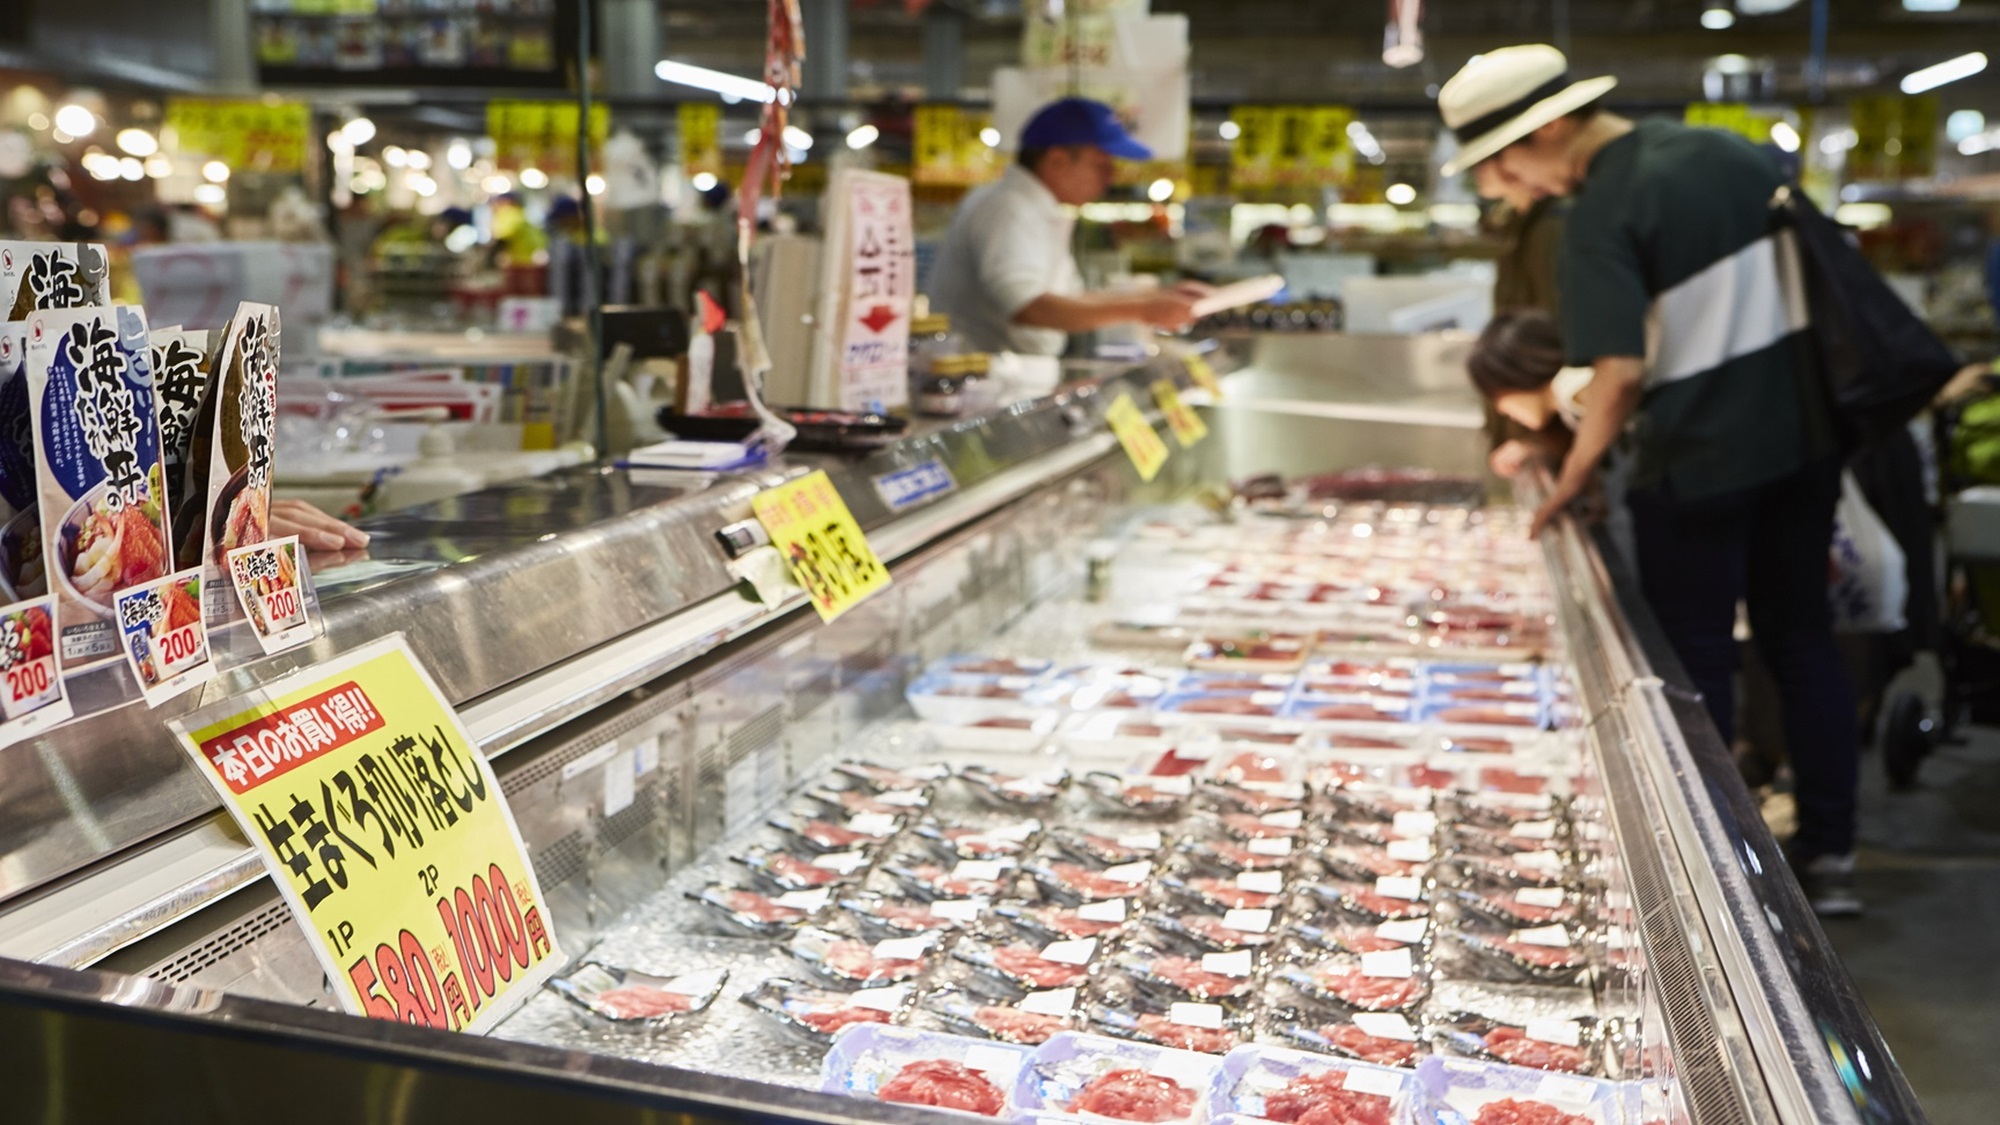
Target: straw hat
(1504, 95)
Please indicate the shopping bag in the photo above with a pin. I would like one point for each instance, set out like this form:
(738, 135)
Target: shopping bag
(1867, 582)
(1879, 362)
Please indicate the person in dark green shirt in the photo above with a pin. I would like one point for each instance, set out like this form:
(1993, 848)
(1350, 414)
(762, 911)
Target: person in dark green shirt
(1671, 292)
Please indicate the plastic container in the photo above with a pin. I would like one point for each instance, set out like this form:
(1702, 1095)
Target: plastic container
(1080, 1075)
(1253, 1075)
(975, 1076)
(1452, 1091)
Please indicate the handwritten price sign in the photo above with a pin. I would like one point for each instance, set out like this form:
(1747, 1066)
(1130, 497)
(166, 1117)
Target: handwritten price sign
(1142, 443)
(1187, 426)
(384, 827)
(1203, 375)
(810, 525)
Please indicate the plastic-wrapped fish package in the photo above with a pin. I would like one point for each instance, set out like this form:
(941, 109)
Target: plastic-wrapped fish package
(900, 1064)
(1050, 921)
(1383, 1038)
(1031, 791)
(1263, 1083)
(1390, 980)
(967, 838)
(881, 916)
(627, 996)
(1099, 1078)
(885, 779)
(1026, 965)
(756, 914)
(819, 1013)
(1105, 844)
(1142, 795)
(1569, 1045)
(860, 831)
(785, 870)
(1455, 1090)
(846, 960)
(1031, 1019)
(1185, 1025)
(927, 878)
(1076, 883)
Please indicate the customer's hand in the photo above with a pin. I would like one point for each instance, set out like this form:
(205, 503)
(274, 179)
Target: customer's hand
(1559, 499)
(316, 530)
(1168, 308)
(1509, 458)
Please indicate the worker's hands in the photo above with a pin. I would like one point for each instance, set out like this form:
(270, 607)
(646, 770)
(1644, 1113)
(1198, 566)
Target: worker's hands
(1171, 309)
(1509, 458)
(316, 530)
(1193, 290)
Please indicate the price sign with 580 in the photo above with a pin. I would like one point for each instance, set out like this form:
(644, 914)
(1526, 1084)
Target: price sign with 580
(811, 527)
(381, 822)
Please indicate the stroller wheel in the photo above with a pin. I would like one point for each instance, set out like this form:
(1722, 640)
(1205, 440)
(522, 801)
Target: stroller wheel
(1906, 739)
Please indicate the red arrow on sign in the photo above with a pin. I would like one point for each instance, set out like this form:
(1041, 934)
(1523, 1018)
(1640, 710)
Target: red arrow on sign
(879, 317)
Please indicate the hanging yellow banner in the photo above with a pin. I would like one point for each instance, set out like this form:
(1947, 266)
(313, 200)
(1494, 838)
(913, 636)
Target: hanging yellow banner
(701, 138)
(246, 134)
(811, 527)
(542, 134)
(385, 830)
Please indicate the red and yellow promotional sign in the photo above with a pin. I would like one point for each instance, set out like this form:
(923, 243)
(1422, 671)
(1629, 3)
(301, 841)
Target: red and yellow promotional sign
(810, 525)
(385, 829)
(1187, 426)
(1142, 443)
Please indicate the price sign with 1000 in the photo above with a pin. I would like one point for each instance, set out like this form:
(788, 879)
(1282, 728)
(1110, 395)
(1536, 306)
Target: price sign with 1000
(811, 527)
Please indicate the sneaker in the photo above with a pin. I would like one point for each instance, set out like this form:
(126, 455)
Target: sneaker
(1828, 881)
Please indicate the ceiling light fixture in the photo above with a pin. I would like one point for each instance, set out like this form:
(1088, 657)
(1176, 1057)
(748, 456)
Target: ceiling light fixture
(1718, 19)
(731, 86)
(1950, 70)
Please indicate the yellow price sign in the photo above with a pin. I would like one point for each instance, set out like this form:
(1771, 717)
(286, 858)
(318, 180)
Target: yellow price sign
(810, 525)
(1187, 426)
(701, 138)
(383, 826)
(1142, 443)
(1203, 374)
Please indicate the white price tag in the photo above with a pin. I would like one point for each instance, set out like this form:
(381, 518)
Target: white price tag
(1416, 822)
(1555, 937)
(999, 1062)
(1235, 964)
(1539, 861)
(1380, 1083)
(1520, 687)
(1058, 1002)
(1257, 921)
(979, 870)
(1385, 1025)
(958, 909)
(1284, 790)
(1196, 1015)
(847, 863)
(1522, 710)
(1409, 888)
(1110, 910)
(1409, 931)
(1411, 851)
(1185, 1067)
(1274, 847)
(1144, 841)
(1568, 1033)
(1534, 830)
(1566, 1090)
(1130, 873)
(1288, 819)
(1519, 671)
(1387, 963)
(877, 825)
(1076, 952)
(1178, 786)
(1013, 833)
(880, 999)
(903, 948)
(902, 798)
(1261, 882)
(809, 901)
(1546, 897)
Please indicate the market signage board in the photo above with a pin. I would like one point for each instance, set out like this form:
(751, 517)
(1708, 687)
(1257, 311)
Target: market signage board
(382, 824)
(811, 527)
(1142, 443)
(861, 352)
(1187, 426)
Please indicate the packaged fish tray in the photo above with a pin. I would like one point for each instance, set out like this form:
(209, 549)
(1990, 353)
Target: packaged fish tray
(627, 996)
(1026, 668)
(1350, 707)
(1553, 954)
(1029, 966)
(1570, 1046)
(955, 698)
(1143, 795)
(1456, 1091)
(1105, 844)
(1013, 728)
(1049, 921)
(1231, 704)
(1103, 1079)
(1120, 733)
(1261, 1083)
(1029, 1020)
(755, 914)
(818, 1013)
(1391, 1039)
(883, 779)
(1184, 1025)
(1390, 980)
(848, 961)
(927, 1068)
(1030, 790)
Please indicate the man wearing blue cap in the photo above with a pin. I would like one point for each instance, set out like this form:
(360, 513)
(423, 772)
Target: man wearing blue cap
(1005, 275)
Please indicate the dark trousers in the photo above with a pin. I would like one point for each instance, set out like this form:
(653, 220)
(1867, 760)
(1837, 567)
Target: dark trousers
(1767, 547)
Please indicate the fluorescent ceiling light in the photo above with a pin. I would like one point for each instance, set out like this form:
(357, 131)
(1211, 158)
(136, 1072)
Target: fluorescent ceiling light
(702, 78)
(1784, 136)
(1950, 70)
(1718, 19)
(1930, 5)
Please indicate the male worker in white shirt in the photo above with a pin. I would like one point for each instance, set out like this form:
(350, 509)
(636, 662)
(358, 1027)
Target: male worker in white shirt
(1005, 275)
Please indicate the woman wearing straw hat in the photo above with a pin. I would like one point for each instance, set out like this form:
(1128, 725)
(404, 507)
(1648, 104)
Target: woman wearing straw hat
(1669, 276)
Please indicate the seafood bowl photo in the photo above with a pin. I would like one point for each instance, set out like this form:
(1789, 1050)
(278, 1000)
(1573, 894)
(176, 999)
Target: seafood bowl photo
(241, 517)
(101, 552)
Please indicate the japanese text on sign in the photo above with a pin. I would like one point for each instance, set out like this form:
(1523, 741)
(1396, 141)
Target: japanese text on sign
(810, 525)
(385, 828)
(105, 411)
(1142, 443)
(881, 283)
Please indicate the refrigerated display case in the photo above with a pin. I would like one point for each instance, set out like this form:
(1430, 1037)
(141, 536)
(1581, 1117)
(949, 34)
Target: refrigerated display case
(646, 718)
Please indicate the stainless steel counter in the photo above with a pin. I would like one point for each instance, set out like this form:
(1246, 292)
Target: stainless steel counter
(589, 608)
